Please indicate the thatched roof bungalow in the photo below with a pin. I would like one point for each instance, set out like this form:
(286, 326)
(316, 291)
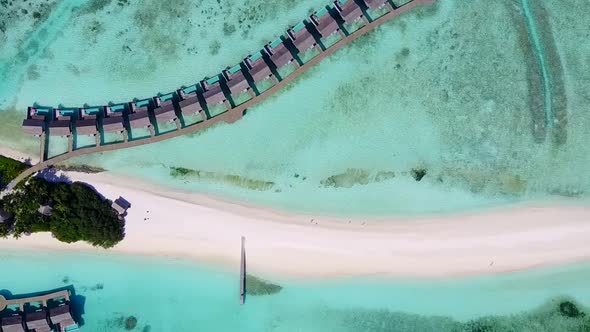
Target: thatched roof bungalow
(257, 67)
(324, 22)
(165, 111)
(235, 80)
(302, 39)
(278, 53)
(12, 324)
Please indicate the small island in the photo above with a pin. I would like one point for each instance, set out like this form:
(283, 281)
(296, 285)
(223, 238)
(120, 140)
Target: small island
(71, 212)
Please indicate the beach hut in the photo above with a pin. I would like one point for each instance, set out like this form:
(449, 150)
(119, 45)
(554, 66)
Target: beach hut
(87, 121)
(34, 124)
(12, 324)
(257, 67)
(302, 39)
(377, 4)
(189, 102)
(139, 116)
(279, 54)
(212, 92)
(349, 10)
(61, 318)
(165, 111)
(120, 205)
(324, 22)
(37, 321)
(236, 81)
(61, 124)
(113, 121)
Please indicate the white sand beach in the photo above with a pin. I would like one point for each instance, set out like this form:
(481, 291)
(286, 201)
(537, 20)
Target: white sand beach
(193, 226)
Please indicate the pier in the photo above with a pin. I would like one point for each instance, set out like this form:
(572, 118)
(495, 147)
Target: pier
(114, 116)
(243, 272)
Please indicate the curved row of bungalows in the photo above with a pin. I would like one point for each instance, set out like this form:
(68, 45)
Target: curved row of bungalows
(194, 100)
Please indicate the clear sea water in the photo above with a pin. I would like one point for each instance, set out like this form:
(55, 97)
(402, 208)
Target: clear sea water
(175, 295)
(445, 89)
(453, 90)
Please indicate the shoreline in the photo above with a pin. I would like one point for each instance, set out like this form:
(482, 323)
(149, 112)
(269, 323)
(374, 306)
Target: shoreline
(193, 226)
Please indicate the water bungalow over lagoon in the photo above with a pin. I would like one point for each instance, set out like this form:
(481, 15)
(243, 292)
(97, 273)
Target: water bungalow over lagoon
(61, 124)
(139, 116)
(37, 321)
(302, 39)
(61, 318)
(87, 121)
(236, 81)
(258, 68)
(165, 111)
(349, 10)
(113, 121)
(212, 92)
(325, 23)
(189, 102)
(34, 124)
(12, 324)
(279, 54)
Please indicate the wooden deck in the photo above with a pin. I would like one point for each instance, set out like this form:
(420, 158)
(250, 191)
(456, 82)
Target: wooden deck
(243, 272)
(41, 298)
(232, 114)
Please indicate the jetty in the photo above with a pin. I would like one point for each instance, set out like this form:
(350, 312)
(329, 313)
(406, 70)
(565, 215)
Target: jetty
(243, 272)
(53, 314)
(286, 50)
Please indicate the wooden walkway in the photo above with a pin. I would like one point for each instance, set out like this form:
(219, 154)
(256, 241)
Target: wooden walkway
(243, 272)
(232, 114)
(41, 298)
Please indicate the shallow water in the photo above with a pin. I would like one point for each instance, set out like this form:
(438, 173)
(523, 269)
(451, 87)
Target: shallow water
(446, 90)
(175, 295)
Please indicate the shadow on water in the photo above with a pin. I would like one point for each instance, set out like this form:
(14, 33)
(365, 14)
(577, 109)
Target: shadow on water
(77, 301)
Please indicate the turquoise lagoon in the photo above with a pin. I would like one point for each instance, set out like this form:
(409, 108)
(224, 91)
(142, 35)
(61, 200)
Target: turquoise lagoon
(456, 90)
(176, 295)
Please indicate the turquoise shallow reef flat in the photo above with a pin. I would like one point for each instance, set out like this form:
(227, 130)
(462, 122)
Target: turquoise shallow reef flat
(457, 106)
(174, 295)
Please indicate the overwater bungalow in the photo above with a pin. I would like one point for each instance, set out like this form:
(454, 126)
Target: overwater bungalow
(349, 10)
(212, 92)
(302, 39)
(165, 111)
(377, 4)
(257, 67)
(35, 122)
(139, 116)
(325, 23)
(61, 318)
(12, 324)
(113, 122)
(87, 122)
(37, 321)
(61, 124)
(279, 54)
(189, 101)
(236, 81)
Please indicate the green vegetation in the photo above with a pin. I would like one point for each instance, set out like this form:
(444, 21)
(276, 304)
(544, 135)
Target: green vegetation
(78, 213)
(10, 169)
(356, 176)
(569, 309)
(256, 286)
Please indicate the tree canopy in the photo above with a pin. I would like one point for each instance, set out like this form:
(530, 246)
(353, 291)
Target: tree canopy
(9, 169)
(78, 213)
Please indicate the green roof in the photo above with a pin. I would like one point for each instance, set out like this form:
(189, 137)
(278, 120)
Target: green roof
(235, 69)
(142, 103)
(213, 80)
(276, 42)
(321, 12)
(256, 56)
(167, 97)
(299, 27)
(190, 89)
